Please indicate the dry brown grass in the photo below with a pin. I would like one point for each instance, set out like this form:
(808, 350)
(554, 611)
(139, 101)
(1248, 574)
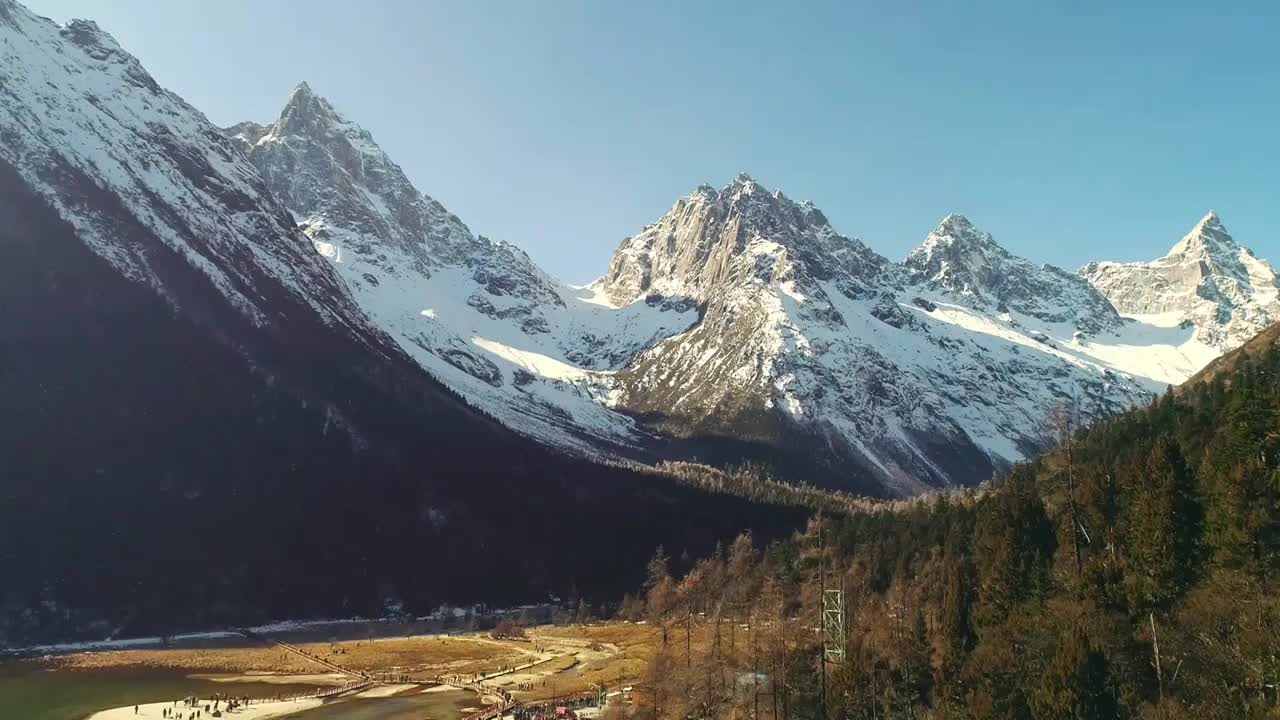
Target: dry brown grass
(424, 656)
(219, 660)
(635, 645)
(609, 654)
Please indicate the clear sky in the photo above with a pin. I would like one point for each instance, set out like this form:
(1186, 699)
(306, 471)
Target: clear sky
(1070, 130)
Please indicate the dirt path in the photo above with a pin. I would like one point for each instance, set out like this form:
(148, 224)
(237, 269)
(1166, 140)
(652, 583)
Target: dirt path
(304, 654)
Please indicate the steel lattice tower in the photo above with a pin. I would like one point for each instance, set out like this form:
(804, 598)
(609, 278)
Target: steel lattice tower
(833, 628)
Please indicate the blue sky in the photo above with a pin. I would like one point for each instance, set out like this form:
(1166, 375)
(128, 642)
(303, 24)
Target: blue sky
(1070, 130)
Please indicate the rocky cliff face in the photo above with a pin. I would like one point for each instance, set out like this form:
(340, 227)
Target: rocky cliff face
(1206, 281)
(932, 371)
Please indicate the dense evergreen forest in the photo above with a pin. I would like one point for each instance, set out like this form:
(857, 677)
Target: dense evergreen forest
(1132, 573)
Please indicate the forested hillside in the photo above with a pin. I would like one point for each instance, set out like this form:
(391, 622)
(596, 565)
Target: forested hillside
(1131, 573)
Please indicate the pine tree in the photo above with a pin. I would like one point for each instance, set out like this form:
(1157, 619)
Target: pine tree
(1014, 542)
(956, 621)
(1077, 683)
(1164, 522)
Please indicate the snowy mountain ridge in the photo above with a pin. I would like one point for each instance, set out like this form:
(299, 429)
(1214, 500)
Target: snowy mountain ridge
(157, 155)
(741, 323)
(960, 259)
(477, 314)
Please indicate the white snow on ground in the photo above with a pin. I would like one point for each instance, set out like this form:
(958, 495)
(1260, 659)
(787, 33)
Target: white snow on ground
(432, 317)
(260, 711)
(1151, 348)
(536, 363)
(592, 294)
(1156, 348)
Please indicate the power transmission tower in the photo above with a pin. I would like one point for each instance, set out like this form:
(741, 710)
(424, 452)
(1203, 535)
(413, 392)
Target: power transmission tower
(822, 594)
(832, 619)
(833, 629)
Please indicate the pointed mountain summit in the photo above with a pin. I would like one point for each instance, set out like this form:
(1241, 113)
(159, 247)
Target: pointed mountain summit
(1206, 281)
(1209, 241)
(477, 314)
(326, 168)
(963, 262)
(307, 112)
(712, 241)
(958, 257)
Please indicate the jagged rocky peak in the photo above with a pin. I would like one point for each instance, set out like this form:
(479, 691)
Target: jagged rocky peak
(957, 256)
(360, 209)
(96, 42)
(325, 168)
(306, 111)
(93, 41)
(739, 235)
(1209, 241)
(960, 260)
(1206, 280)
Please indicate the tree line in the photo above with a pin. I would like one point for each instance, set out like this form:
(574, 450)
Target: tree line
(1130, 573)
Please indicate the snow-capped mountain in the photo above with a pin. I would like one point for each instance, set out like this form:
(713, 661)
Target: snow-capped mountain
(739, 326)
(1206, 282)
(82, 117)
(958, 259)
(901, 376)
(476, 313)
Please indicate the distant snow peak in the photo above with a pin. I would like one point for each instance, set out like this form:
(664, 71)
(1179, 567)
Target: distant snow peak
(306, 112)
(957, 225)
(739, 313)
(959, 259)
(1206, 281)
(956, 256)
(1209, 236)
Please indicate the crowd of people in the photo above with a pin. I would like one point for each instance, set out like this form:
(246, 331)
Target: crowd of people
(195, 708)
(557, 709)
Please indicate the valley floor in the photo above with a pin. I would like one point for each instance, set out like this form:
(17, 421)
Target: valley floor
(444, 677)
